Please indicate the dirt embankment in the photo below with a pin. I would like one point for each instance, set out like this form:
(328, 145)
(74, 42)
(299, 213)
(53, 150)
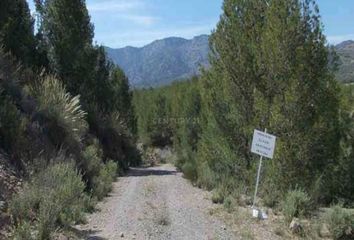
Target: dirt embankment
(9, 184)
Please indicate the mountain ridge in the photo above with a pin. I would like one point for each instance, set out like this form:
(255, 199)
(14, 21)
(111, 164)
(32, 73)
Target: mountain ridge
(174, 58)
(162, 61)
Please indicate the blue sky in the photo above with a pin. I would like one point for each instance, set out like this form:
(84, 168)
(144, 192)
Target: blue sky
(120, 23)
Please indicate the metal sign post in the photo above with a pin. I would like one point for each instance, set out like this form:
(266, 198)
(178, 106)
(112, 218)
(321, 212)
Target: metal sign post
(263, 144)
(257, 182)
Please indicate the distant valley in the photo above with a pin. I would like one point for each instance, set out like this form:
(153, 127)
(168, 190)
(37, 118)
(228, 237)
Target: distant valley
(164, 61)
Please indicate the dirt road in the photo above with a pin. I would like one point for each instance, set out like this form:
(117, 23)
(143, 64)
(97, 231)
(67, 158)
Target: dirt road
(155, 203)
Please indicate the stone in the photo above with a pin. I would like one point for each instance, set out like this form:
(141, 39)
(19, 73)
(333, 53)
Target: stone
(122, 235)
(324, 231)
(295, 226)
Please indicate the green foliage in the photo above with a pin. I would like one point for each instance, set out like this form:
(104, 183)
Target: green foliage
(62, 110)
(68, 32)
(53, 197)
(340, 222)
(229, 203)
(16, 30)
(296, 204)
(12, 125)
(91, 162)
(342, 173)
(189, 170)
(83, 111)
(218, 196)
(102, 184)
(23, 231)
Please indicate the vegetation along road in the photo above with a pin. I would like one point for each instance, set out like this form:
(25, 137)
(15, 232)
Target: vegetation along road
(155, 203)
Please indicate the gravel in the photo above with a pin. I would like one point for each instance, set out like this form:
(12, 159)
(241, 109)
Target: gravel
(155, 203)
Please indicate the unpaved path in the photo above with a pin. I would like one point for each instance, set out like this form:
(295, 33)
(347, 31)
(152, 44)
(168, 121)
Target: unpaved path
(155, 203)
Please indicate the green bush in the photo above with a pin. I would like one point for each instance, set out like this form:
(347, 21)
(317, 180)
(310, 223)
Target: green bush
(91, 162)
(339, 221)
(24, 231)
(12, 126)
(65, 121)
(53, 198)
(189, 170)
(218, 196)
(206, 177)
(229, 203)
(102, 184)
(296, 204)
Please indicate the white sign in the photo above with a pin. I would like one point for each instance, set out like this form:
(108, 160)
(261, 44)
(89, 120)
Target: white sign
(263, 144)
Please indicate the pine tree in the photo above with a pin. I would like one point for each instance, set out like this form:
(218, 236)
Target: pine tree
(269, 69)
(16, 30)
(66, 28)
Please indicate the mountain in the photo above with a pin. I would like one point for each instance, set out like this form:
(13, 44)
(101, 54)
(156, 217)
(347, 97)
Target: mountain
(345, 51)
(162, 61)
(170, 59)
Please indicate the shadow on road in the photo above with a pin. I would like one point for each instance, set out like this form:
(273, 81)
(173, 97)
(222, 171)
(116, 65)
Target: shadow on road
(96, 238)
(85, 234)
(143, 172)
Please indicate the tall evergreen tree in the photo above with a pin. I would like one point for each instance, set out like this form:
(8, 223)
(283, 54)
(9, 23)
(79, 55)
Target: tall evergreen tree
(269, 70)
(16, 30)
(68, 33)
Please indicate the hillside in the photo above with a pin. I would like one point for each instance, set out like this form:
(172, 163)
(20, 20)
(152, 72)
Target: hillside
(164, 61)
(345, 50)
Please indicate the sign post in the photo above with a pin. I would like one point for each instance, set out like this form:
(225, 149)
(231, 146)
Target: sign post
(263, 144)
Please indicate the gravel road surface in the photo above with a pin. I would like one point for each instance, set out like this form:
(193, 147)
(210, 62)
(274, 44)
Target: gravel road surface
(155, 203)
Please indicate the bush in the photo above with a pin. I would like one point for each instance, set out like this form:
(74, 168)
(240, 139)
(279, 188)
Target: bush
(115, 138)
(229, 203)
(12, 126)
(218, 196)
(206, 177)
(91, 162)
(102, 184)
(296, 204)
(23, 231)
(339, 221)
(189, 170)
(54, 197)
(64, 119)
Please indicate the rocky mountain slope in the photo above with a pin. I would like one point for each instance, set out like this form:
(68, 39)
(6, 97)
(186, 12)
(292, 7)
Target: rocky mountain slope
(345, 51)
(170, 59)
(162, 61)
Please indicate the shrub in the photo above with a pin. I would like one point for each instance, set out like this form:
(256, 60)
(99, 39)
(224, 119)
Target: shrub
(91, 161)
(229, 203)
(54, 197)
(12, 126)
(296, 204)
(218, 196)
(189, 170)
(23, 231)
(64, 118)
(339, 221)
(206, 177)
(115, 138)
(102, 184)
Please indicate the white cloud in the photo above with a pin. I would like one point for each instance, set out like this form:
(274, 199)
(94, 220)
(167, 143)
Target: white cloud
(141, 38)
(115, 6)
(335, 39)
(142, 20)
(134, 11)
